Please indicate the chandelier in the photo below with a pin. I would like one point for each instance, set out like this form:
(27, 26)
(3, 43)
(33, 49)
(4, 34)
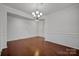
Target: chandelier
(37, 14)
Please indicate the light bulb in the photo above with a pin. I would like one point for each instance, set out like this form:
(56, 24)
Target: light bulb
(37, 12)
(33, 13)
(41, 14)
(38, 15)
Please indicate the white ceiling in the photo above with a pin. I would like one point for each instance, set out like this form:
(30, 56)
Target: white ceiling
(45, 8)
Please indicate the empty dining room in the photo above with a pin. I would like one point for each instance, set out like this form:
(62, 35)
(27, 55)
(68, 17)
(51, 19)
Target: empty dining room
(39, 29)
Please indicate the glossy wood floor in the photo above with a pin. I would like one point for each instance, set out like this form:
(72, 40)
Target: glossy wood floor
(37, 46)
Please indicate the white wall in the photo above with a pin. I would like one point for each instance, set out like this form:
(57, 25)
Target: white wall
(62, 27)
(40, 27)
(3, 28)
(18, 27)
(12, 28)
(3, 23)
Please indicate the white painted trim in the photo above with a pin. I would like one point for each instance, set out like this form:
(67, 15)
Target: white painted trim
(15, 11)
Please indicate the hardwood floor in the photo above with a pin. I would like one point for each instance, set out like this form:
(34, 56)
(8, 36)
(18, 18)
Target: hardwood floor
(37, 46)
